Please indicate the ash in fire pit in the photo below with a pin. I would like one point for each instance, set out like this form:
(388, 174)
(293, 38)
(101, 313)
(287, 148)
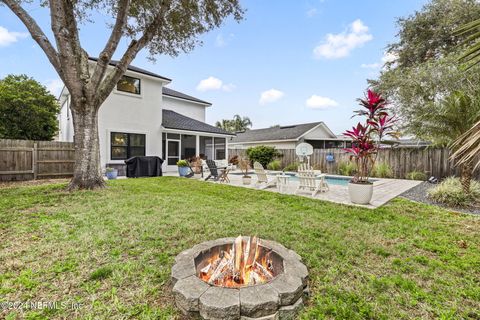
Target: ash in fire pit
(239, 278)
(243, 263)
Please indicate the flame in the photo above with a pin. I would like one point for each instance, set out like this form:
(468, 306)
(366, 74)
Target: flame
(244, 263)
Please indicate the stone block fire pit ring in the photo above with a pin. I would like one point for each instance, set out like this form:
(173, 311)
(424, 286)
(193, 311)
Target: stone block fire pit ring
(280, 298)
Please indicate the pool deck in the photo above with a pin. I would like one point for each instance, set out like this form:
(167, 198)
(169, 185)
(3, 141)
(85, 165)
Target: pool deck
(384, 189)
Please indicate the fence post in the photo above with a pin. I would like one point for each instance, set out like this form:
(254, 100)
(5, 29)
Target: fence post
(34, 161)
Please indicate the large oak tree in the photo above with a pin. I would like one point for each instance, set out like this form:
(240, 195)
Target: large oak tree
(160, 26)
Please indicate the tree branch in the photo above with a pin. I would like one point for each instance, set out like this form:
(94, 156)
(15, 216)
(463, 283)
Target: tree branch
(135, 46)
(37, 34)
(110, 47)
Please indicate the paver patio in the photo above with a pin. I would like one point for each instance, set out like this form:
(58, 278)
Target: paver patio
(384, 189)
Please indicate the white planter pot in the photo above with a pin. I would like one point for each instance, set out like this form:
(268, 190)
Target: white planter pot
(360, 193)
(247, 180)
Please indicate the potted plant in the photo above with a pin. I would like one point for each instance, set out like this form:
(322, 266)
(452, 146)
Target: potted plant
(244, 165)
(366, 139)
(111, 173)
(183, 168)
(233, 161)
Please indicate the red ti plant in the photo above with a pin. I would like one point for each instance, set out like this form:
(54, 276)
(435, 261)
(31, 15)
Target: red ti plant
(366, 137)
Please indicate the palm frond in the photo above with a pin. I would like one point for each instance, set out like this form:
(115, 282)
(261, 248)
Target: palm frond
(468, 147)
(471, 55)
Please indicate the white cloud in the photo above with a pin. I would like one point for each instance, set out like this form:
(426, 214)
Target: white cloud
(312, 12)
(212, 83)
(339, 45)
(375, 65)
(54, 86)
(319, 102)
(9, 37)
(269, 96)
(221, 41)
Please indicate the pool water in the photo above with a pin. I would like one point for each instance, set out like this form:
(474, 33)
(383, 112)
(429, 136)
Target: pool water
(332, 180)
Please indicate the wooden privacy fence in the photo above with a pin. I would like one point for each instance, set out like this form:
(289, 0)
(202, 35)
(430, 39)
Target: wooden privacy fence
(27, 159)
(431, 161)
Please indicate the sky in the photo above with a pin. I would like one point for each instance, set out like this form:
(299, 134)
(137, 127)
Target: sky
(287, 62)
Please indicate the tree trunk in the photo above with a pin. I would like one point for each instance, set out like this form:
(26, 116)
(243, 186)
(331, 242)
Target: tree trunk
(466, 176)
(87, 172)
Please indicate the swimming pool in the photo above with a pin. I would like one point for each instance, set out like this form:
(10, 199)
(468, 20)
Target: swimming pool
(332, 180)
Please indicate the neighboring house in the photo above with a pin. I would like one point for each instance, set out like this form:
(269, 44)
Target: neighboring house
(288, 137)
(143, 117)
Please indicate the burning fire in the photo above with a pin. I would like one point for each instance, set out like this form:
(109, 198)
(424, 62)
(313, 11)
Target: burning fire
(243, 264)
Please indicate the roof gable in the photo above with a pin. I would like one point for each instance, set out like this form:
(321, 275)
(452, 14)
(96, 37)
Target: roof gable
(292, 132)
(179, 95)
(135, 69)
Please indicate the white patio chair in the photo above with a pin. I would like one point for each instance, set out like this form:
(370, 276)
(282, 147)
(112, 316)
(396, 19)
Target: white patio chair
(308, 180)
(262, 179)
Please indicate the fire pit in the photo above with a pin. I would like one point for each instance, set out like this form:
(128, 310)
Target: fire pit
(242, 278)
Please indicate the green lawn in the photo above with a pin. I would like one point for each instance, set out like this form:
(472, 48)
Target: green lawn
(111, 250)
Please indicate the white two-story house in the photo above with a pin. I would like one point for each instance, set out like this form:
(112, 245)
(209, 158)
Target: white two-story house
(144, 117)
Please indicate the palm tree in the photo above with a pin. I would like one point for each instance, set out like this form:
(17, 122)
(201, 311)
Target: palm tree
(241, 124)
(456, 115)
(225, 124)
(238, 124)
(468, 145)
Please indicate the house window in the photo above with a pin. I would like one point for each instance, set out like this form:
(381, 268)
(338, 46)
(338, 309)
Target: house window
(126, 145)
(129, 84)
(219, 146)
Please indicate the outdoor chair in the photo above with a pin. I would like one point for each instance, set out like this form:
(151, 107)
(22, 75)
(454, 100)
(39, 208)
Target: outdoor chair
(308, 180)
(212, 167)
(262, 179)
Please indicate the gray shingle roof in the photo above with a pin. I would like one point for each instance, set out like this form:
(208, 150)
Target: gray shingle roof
(292, 132)
(174, 120)
(135, 69)
(173, 93)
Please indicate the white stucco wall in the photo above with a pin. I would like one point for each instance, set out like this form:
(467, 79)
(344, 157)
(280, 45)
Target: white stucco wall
(65, 127)
(131, 113)
(190, 109)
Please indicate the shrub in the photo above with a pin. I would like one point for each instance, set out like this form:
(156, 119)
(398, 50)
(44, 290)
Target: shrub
(182, 163)
(262, 154)
(291, 167)
(346, 168)
(274, 165)
(450, 192)
(382, 170)
(416, 175)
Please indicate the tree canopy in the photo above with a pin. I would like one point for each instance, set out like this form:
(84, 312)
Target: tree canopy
(27, 109)
(160, 26)
(434, 96)
(428, 34)
(427, 70)
(237, 124)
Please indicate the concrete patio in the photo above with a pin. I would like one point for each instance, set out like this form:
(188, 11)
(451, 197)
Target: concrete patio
(384, 189)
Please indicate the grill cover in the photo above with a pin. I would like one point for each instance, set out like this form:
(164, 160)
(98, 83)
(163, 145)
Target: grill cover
(149, 166)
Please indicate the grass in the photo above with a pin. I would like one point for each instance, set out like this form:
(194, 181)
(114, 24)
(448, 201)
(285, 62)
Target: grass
(107, 254)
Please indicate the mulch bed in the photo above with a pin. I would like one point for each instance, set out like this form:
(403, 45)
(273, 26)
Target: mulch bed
(419, 194)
